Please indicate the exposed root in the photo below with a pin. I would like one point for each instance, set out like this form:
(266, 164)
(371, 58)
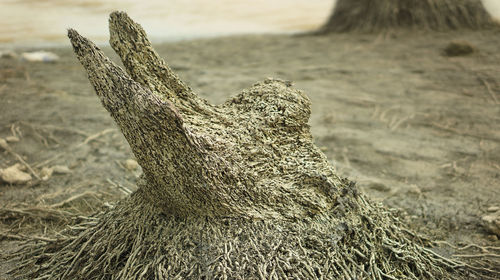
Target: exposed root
(22, 223)
(33, 215)
(482, 248)
(25, 237)
(96, 136)
(357, 240)
(483, 259)
(6, 147)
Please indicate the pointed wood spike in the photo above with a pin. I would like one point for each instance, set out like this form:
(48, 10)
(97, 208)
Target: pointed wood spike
(114, 87)
(169, 154)
(145, 66)
(111, 83)
(132, 106)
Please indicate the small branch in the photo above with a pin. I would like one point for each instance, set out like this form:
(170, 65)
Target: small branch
(54, 128)
(62, 203)
(5, 146)
(95, 136)
(125, 190)
(45, 162)
(478, 256)
(488, 88)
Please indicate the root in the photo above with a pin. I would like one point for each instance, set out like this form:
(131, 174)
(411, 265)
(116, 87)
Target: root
(358, 240)
(34, 215)
(6, 147)
(483, 259)
(24, 237)
(96, 136)
(22, 223)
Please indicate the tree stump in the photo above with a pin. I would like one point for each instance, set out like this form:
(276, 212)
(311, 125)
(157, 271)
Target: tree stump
(234, 191)
(377, 15)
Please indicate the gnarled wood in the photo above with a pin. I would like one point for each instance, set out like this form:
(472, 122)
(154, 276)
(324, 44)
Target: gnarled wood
(252, 156)
(235, 191)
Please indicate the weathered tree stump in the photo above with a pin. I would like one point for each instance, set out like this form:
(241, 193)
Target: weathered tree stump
(236, 191)
(377, 15)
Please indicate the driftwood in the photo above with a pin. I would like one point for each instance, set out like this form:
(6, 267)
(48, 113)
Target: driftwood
(234, 191)
(376, 15)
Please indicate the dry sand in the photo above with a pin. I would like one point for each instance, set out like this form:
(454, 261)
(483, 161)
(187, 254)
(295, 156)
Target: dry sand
(417, 130)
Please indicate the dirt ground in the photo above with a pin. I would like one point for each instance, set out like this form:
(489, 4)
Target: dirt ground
(417, 130)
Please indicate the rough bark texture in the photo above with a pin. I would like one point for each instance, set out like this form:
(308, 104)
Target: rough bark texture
(251, 156)
(376, 15)
(234, 191)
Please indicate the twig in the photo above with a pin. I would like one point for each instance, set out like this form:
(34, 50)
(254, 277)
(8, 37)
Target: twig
(483, 248)
(5, 146)
(120, 165)
(23, 237)
(95, 136)
(488, 88)
(42, 212)
(13, 130)
(394, 125)
(27, 75)
(478, 256)
(62, 203)
(483, 269)
(120, 187)
(45, 162)
(496, 166)
(55, 128)
(458, 132)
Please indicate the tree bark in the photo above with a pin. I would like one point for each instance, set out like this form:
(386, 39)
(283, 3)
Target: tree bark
(239, 158)
(376, 15)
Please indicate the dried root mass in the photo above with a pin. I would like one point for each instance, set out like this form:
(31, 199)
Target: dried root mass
(357, 240)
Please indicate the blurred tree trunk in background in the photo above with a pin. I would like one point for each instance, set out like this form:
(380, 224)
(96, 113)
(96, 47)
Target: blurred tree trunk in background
(374, 15)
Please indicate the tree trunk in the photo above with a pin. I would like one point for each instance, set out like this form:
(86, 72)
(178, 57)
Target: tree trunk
(376, 15)
(233, 191)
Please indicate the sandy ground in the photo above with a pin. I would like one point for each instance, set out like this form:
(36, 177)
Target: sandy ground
(417, 130)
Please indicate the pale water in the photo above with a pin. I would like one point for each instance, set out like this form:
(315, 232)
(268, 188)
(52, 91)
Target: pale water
(41, 22)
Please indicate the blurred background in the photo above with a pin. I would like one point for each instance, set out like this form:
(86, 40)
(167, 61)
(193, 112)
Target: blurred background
(44, 22)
